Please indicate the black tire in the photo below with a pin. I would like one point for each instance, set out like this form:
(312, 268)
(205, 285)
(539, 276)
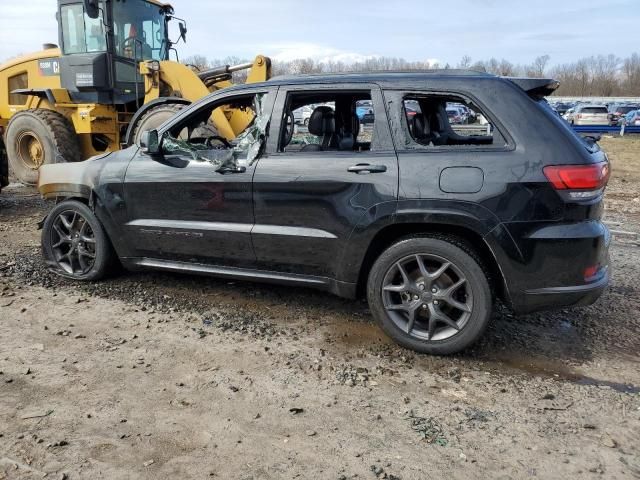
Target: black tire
(306, 122)
(105, 257)
(4, 166)
(39, 137)
(465, 261)
(155, 117)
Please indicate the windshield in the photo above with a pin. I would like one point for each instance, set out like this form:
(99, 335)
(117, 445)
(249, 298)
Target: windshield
(140, 30)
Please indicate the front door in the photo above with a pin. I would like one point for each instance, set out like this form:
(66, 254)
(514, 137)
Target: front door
(321, 178)
(193, 202)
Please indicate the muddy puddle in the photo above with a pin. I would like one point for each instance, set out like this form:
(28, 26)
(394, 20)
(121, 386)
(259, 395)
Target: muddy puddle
(549, 368)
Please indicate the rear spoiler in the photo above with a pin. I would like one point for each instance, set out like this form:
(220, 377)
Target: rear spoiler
(536, 87)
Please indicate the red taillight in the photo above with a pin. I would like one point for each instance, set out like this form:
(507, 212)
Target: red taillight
(578, 177)
(590, 272)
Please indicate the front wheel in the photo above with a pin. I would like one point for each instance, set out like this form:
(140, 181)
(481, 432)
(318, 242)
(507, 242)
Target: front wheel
(430, 294)
(74, 243)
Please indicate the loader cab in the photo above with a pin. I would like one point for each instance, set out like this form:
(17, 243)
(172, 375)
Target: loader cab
(102, 44)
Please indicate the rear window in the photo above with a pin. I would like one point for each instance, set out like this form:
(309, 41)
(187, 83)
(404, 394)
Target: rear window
(564, 125)
(626, 109)
(594, 110)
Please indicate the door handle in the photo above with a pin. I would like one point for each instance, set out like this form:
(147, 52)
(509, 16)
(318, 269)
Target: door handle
(365, 167)
(226, 170)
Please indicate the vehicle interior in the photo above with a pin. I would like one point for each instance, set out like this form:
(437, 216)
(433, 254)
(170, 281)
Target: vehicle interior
(333, 125)
(197, 137)
(428, 123)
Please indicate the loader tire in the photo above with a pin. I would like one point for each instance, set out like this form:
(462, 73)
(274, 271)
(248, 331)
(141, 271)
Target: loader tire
(39, 137)
(4, 166)
(155, 117)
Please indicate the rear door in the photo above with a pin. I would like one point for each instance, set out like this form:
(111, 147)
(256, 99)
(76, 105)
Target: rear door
(307, 201)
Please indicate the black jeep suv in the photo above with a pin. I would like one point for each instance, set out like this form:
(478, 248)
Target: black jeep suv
(431, 221)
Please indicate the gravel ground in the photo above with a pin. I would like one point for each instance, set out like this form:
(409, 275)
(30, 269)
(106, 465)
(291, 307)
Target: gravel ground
(164, 376)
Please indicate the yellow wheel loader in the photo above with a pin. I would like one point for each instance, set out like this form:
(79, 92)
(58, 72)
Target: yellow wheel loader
(110, 80)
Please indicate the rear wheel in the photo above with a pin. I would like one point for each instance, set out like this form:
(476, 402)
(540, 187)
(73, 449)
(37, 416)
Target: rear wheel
(39, 137)
(74, 243)
(430, 294)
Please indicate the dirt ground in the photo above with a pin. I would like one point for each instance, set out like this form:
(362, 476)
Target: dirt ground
(149, 376)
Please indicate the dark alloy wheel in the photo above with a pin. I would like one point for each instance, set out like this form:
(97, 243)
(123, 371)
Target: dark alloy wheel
(74, 242)
(427, 296)
(430, 294)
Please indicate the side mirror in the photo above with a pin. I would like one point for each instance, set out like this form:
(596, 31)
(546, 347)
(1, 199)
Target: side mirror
(183, 31)
(92, 8)
(149, 142)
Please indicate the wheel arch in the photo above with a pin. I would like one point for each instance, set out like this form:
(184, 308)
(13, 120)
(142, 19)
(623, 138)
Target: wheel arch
(92, 199)
(474, 238)
(128, 139)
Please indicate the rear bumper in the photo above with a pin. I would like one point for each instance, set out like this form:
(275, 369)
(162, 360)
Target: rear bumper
(591, 123)
(551, 298)
(561, 265)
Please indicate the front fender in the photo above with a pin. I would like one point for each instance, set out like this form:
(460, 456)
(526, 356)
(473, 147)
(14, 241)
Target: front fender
(99, 181)
(66, 180)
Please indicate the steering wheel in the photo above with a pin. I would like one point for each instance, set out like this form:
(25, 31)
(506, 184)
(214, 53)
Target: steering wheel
(289, 128)
(126, 44)
(217, 138)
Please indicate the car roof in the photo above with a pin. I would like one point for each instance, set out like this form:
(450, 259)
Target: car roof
(409, 79)
(403, 79)
(374, 77)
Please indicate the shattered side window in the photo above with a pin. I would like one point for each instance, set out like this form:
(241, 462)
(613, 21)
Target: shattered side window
(204, 144)
(446, 121)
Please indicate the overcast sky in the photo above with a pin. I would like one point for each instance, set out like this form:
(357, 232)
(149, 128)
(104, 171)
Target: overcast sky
(517, 30)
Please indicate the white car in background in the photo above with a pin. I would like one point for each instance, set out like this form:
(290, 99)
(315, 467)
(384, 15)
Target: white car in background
(588, 115)
(302, 115)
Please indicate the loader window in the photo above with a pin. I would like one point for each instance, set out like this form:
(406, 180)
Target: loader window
(81, 34)
(18, 82)
(140, 31)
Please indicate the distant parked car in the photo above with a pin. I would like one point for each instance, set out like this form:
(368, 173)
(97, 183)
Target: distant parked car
(562, 107)
(632, 118)
(619, 110)
(568, 115)
(411, 112)
(302, 115)
(589, 115)
(456, 116)
(464, 112)
(364, 111)
(471, 115)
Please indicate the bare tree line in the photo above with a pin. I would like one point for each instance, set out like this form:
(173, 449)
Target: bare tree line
(601, 75)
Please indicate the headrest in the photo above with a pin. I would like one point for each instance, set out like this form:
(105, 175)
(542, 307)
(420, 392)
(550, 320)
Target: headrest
(322, 121)
(420, 126)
